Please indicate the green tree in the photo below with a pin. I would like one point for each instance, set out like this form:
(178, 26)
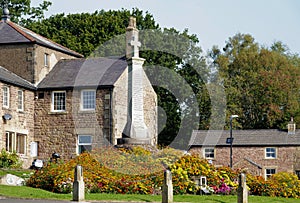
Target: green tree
(22, 12)
(182, 65)
(261, 84)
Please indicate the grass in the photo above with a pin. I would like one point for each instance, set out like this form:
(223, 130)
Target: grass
(33, 193)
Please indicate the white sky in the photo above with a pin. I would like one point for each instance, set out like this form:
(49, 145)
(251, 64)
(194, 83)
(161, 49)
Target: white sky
(213, 21)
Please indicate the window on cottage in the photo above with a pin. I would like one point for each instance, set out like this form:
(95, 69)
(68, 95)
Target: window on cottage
(16, 142)
(58, 101)
(269, 172)
(209, 153)
(10, 141)
(84, 143)
(88, 99)
(21, 143)
(46, 59)
(270, 153)
(20, 100)
(5, 96)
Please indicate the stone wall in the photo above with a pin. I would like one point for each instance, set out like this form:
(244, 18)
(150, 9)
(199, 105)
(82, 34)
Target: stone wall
(285, 160)
(58, 131)
(28, 60)
(21, 122)
(18, 59)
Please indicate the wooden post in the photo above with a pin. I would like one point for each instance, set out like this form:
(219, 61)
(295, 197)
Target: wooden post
(78, 184)
(167, 192)
(242, 189)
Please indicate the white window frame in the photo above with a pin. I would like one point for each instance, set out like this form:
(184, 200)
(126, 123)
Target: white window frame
(5, 96)
(83, 144)
(84, 99)
(13, 142)
(267, 175)
(53, 101)
(20, 100)
(46, 60)
(207, 151)
(269, 154)
(10, 141)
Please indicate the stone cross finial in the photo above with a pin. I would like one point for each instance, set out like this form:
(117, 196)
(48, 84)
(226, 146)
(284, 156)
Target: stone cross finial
(132, 22)
(135, 44)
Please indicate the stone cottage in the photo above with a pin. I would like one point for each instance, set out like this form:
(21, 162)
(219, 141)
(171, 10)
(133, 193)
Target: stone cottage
(54, 100)
(261, 152)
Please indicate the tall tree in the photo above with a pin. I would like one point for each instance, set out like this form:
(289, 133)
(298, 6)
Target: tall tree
(22, 12)
(261, 84)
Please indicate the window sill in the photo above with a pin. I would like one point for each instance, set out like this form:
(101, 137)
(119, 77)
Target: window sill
(57, 112)
(87, 111)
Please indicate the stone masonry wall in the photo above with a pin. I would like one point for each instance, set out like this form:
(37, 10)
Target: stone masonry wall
(58, 131)
(18, 59)
(21, 122)
(28, 60)
(285, 160)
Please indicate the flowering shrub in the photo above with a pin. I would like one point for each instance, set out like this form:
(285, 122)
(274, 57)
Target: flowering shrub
(282, 184)
(143, 174)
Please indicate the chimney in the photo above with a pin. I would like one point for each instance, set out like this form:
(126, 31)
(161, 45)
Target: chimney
(291, 127)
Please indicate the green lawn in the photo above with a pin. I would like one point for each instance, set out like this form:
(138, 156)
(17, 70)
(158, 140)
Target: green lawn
(27, 192)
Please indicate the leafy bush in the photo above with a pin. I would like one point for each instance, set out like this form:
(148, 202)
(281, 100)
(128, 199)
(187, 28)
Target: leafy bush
(282, 184)
(9, 160)
(139, 171)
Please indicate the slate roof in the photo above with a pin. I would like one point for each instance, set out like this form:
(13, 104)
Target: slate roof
(264, 137)
(9, 77)
(12, 33)
(93, 72)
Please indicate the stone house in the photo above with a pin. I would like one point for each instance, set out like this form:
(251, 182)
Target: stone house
(54, 100)
(261, 152)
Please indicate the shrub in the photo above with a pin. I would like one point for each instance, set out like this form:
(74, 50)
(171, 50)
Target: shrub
(9, 160)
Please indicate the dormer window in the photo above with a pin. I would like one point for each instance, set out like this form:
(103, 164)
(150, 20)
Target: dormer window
(46, 59)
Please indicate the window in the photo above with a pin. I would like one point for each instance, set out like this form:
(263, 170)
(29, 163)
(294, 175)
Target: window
(269, 172)
(6, 97)
(209, 153)
(270, 153)
(88, 99)
(84, 143)
(20, 100)
(46, 59)
(21, 143)
(58, 101)
(10, 141)
(16, 142)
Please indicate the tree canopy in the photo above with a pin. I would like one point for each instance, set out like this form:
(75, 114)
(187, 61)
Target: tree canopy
(22, 12)
(261, 84)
